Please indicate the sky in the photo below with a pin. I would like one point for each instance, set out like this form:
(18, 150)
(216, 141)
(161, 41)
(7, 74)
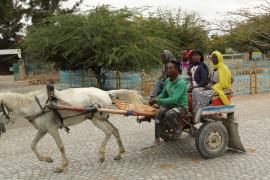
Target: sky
(210, 10)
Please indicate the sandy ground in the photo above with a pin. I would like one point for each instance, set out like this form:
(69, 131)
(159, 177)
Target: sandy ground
(6, 78)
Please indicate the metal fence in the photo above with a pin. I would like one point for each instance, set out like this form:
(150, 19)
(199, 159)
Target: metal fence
(245, 81)
(241, 64)
(37, 73)
(109, 79)
(249, 77)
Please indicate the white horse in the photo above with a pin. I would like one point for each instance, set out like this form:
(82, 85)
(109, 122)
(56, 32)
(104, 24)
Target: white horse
(26, 105)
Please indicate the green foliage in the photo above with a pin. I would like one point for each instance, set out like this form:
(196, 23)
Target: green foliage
(112, 39)
(11, 13)
(4, 8)
(12, 19)
(106, 38)
(188, 31)
(40, 10)
(239, 39)
(217, 42)
(192, 33)
(249, 29)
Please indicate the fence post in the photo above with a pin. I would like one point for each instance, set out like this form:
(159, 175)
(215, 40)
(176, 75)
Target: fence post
(70, 84)
(143, 77)
(82, 77)
(118, 80)
(253, 82)
(21, 67)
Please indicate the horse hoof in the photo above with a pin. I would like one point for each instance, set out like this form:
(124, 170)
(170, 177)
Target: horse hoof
(117, 158)
(58, 170)
(122, 151)
(101, 160)
(49, 160)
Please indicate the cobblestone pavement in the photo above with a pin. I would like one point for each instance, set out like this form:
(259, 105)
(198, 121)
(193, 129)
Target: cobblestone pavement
(172, 160)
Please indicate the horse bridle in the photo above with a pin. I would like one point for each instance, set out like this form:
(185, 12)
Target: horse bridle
(3, 110)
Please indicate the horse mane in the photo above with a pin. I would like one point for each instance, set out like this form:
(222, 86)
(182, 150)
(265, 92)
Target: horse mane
(38, 92)
(35, 93)
(13, 100)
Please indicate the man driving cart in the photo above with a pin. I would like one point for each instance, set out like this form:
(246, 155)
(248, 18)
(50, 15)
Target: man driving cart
(173, 102)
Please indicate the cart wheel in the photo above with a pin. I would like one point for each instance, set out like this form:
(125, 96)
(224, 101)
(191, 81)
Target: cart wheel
(211, 140)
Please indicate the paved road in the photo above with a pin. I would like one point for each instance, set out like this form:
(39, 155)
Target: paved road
(172, 160)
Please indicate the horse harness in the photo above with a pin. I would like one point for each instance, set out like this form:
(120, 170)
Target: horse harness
(51, 105)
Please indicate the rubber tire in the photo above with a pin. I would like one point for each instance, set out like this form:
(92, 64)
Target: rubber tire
(201, 136)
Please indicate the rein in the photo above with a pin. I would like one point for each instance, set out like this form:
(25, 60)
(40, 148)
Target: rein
(49, 107)
(32, 116)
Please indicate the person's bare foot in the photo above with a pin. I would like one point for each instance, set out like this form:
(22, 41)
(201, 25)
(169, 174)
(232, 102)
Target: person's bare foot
(157, 142)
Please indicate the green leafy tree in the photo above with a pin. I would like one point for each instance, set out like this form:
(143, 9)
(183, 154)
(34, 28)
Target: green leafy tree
(248, 29)
(187, 30)
(104, 38)
(4, 8)
(11, 13)
(217, 42)
(39, 10)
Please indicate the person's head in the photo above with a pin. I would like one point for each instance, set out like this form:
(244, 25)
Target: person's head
(184, 55)
(197, 56)
(217, 58)
(173, 68)
(165, 56)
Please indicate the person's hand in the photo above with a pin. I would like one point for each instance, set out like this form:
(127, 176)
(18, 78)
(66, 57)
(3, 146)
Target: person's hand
(207, 88)
(156, 106)
(152, 101)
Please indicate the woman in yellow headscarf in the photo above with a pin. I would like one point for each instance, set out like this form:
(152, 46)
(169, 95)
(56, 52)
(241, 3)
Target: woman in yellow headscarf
(221, 80)
(224, 80)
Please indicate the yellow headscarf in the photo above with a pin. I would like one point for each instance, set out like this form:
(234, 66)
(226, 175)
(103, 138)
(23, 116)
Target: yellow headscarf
(225, 78)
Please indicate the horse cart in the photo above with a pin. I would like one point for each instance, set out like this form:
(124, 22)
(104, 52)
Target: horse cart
(217, 127)
(213, 127)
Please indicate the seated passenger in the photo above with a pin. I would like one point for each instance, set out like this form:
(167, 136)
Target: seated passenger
(221, 80)
(199, 74)
(173, 102)
(185, 64)
(199, 70)
(165, 56)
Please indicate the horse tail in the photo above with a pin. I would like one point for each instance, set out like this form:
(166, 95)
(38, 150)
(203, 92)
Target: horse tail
(129, 96)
